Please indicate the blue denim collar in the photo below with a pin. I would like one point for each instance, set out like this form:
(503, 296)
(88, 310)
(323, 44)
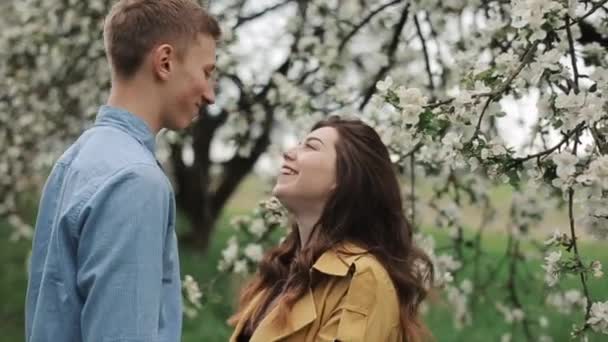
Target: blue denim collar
(128, 122)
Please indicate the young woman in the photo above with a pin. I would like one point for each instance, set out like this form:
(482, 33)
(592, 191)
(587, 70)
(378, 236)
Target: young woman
(348, 271)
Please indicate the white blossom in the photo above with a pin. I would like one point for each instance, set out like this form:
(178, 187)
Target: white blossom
(598, 317)
(452, 140)
(240, 267)
(597, 173)
(566, 164)
(254, 252)
(532, 13)
(511, 315)
(552, 267)
(567, 302)
(193, 292)
(557, 238)
(384, 85)
(459, 302)
(466, 286)
(411, 101)
(258, 227)
(596, 267)
(229, 254)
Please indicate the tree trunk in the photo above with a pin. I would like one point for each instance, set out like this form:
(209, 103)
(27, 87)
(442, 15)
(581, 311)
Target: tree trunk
(202, 204)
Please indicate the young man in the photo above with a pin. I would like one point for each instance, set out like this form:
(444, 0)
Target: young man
(104, 265)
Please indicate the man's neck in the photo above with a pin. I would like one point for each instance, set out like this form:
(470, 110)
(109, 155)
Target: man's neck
(137, 101)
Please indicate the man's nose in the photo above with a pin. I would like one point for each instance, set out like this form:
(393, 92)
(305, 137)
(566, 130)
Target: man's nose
(209, 94)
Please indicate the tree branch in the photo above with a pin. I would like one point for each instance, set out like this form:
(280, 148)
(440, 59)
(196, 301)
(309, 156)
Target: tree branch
(511, 285)
(549, 151)
(243, 20)
(591, 11)
(574, 245)
(505, 85)
(426, 53)
(391, 57)
(413, 189)
(363, 22)
(572, 55)
(599, 140)
(435, 35)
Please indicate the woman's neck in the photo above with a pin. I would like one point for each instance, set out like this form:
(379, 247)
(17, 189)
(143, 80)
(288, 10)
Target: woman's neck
(306, 224)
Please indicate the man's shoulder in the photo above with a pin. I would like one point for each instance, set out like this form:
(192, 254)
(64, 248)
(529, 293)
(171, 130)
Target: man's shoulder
(103, 155)
(115, 145)
(105, 150)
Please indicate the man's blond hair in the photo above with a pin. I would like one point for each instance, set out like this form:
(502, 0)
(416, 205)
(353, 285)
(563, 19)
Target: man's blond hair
(134, 27)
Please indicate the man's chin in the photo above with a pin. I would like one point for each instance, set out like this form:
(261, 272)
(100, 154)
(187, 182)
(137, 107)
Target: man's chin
(180, 124)
(195, 116)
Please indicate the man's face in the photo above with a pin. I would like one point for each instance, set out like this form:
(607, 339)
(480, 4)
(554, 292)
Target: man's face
(191, 85)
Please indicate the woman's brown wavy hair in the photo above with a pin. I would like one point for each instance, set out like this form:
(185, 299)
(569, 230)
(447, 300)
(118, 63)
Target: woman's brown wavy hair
(365, 208)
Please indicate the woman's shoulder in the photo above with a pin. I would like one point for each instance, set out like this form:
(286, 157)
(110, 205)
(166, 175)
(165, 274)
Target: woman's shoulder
(366, 273)
(362, 261)
(370, 289)
(369, 268)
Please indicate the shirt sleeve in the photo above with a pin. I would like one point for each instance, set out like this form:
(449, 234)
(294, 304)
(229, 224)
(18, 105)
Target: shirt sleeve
(120, 257)
(358, 317)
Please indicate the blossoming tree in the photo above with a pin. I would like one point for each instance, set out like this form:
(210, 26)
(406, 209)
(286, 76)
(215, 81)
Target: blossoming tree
(434, 77)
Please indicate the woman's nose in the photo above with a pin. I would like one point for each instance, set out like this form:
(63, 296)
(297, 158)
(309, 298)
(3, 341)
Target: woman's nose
(289, 154)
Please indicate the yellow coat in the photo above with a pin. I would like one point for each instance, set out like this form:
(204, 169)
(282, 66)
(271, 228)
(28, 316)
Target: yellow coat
(363, 307)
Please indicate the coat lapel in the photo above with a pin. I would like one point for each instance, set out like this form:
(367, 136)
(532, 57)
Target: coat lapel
(241, 323)
(303, 313)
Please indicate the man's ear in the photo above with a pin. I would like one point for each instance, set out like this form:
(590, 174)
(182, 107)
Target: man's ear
(162, 59)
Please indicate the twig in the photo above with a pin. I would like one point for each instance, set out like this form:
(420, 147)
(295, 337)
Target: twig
(426, 53)
(601, 145)
(591, 11)
(575, 246)
(549, 151)
(438, 104)
(486, 216)
(391, 57)
(413, 189)
(503, 87)
(435, 35)
(512, 289)
(363, 22)
(243, 20)
(572, 54)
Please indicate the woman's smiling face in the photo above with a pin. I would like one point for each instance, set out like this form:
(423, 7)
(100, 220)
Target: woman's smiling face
(308, 173)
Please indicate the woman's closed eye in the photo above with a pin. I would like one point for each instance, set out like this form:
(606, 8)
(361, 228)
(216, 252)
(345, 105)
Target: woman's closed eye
(309, 146)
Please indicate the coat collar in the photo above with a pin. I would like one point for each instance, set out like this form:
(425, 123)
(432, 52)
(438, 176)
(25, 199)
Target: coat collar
(336, 262)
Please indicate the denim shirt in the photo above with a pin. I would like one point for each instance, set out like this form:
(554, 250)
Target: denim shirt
(104, 264)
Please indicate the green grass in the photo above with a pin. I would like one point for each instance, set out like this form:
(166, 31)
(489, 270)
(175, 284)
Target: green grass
(489, 323)
(210, 325)
(13, 280)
